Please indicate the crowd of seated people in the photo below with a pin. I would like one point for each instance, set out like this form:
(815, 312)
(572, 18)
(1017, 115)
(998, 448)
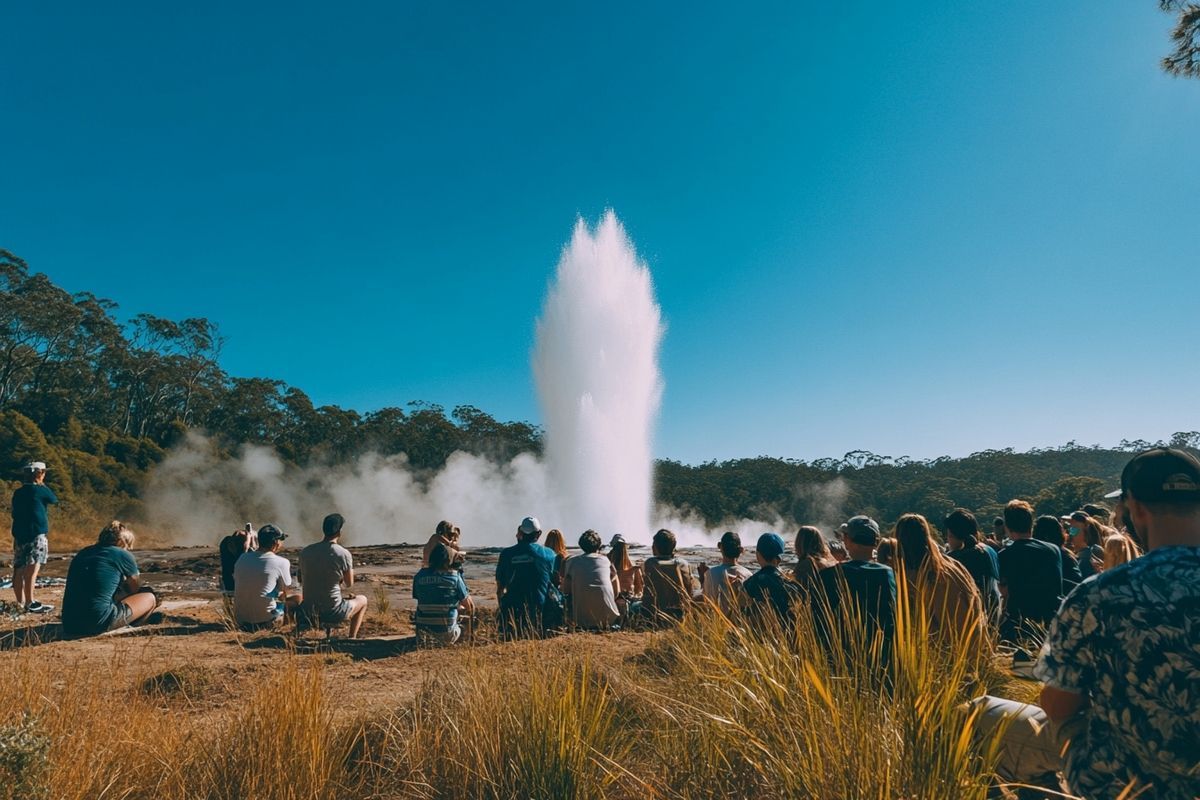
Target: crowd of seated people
(1109, 600)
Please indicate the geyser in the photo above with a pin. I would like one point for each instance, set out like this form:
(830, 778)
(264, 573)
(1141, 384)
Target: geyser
(596, 367)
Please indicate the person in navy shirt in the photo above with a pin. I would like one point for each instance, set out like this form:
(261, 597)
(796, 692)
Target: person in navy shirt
(441, 594)
(30, 526)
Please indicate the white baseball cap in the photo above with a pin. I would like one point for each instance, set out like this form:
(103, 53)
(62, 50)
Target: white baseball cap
(530, 526)
(35, 466)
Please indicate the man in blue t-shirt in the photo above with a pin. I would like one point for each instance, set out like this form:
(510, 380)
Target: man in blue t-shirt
(102, 592)
(441, 594)
(523, 580)
(860, 592)
(30, 524)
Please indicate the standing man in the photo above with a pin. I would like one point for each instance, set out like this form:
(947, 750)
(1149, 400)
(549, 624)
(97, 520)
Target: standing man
(1030, 576)
(30, 524)
(325, 568)
(1121, 660)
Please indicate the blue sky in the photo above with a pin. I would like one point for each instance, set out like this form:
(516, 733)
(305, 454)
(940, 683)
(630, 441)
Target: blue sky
(920, 229)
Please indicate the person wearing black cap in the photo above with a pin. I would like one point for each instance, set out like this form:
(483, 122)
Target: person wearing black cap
(769, 588)
(868, 586)
(1121, 659)
(263, 591)
(30, 526)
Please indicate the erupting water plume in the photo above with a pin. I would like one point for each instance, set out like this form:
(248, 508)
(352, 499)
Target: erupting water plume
(596, 367)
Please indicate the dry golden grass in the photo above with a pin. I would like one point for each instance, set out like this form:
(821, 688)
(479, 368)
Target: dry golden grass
(714, 708)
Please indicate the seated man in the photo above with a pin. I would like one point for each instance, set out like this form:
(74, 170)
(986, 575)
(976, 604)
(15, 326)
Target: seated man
(325, 568)
(263, 592)
(524, 582)
(441, 594)
(1121, 660)
(769, 591)
(590, 581)
(859, 591)
(721, 582)
(669, 585)
(102, 586)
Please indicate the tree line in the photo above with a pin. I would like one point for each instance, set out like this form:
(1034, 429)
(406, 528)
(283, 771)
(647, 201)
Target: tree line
(102, 400)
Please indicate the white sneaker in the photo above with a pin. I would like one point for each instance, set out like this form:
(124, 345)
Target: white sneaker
(37, 607)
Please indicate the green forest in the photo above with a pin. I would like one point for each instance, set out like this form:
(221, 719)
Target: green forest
(101, 399)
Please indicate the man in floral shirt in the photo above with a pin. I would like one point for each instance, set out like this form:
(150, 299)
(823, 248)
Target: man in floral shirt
(1121, 663)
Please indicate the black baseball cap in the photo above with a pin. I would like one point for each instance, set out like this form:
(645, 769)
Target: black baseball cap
(1162, 475)
(862, 530)
(268, 535)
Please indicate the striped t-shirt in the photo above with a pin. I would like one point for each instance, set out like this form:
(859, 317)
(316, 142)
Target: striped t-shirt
(438, 595)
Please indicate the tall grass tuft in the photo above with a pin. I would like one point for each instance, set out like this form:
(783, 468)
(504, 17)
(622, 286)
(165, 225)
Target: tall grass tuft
(533, 730)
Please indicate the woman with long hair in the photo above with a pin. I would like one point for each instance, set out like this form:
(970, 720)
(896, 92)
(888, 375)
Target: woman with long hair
(556, 542)
(1119, 549)
(812, 556)
(102, 592)
(937, 584)
(1087, 542)
(629, 576)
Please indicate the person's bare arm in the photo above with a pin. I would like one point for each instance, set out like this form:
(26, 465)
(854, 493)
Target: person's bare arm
(348, 577)
(467, 606)
(1059, 704)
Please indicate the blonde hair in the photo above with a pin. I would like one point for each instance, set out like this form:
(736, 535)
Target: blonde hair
(1119, 550)
(116, 534)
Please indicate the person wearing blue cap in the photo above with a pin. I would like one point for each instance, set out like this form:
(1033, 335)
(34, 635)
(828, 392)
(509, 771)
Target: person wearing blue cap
(769, 588)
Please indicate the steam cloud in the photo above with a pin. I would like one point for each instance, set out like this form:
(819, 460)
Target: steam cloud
(596, 368)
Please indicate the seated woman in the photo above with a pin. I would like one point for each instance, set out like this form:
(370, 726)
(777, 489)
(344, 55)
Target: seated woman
(629, 576)
(448, 534)
(938, 586)
(102, 586)
(555, 541)
(441, 595)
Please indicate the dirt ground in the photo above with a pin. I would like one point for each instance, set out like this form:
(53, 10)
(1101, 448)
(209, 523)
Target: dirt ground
(381, 670)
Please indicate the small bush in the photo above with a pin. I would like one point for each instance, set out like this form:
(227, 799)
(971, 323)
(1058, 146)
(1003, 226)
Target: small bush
(24, 760)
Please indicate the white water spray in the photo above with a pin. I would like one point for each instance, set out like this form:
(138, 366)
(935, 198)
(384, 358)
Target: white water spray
(596, 367)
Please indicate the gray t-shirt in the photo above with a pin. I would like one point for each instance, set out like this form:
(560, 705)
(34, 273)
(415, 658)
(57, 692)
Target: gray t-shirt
(321, 568)
(718, 584)
(589, 579)
(258, 578)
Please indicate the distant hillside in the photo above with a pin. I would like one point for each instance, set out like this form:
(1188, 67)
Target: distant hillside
(101, 400)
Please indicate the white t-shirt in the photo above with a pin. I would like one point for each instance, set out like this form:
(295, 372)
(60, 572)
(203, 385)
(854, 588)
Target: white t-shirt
(588, 579)
(717, 587)
(257, 579)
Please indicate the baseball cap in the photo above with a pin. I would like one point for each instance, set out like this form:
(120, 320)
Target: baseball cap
(35, 466)
(530, 526)
(269, 535)
(770, 545)
(861, 529)
(1162, 475)
(616, 539)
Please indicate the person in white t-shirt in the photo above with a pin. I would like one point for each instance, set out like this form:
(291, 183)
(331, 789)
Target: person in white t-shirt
(722, 582)
(263, 591)
(590, 580)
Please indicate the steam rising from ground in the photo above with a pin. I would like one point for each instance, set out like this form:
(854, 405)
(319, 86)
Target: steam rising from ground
(596, 368)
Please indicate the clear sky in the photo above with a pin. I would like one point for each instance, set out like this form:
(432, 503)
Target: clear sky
(916, 228)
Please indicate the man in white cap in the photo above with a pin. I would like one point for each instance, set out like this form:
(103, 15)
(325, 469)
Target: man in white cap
(30, 524)
(523, 579)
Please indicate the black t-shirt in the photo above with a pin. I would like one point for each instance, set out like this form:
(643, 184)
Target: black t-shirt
(1032, 572)
(232, 547)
